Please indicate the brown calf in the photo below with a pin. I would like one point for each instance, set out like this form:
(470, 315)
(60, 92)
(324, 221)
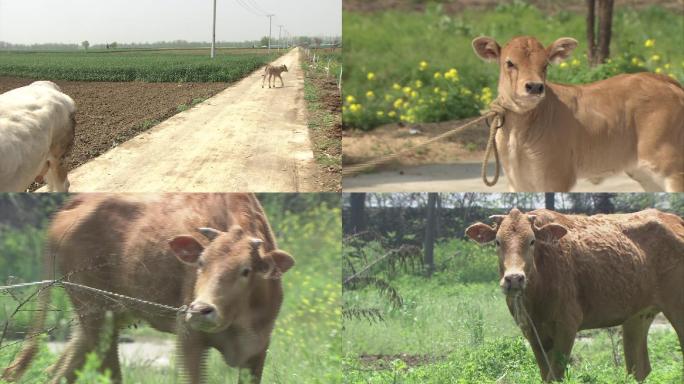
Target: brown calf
(554, 134)
(564, 273)
(214, 253)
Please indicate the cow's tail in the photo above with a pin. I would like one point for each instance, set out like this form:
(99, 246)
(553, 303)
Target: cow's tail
(31, 344)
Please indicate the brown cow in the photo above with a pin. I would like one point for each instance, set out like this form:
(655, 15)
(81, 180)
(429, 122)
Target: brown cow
(554, 134)
(214, 253)
(565, 273)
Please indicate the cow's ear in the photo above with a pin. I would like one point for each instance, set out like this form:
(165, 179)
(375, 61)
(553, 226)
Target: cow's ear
(281, 262)
(482, 233)
(560, 49)
(186, 248)
(550, 232)
(487, 48)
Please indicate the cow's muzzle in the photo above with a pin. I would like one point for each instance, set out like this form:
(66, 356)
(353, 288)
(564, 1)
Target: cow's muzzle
(513, 282)
(202, 316)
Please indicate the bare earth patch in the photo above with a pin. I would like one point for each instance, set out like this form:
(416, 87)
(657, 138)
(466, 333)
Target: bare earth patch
(380, 362)
(469, 145)
(110, 113)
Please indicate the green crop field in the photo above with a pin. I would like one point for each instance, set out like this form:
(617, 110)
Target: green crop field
(456, 328)
(165, 65)
(305, 345)
(420, 66)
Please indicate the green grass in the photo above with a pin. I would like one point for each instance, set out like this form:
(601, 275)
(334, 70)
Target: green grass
(322, 122)
(149, 66)
(456, 324)
(305, 345)
(391, 45)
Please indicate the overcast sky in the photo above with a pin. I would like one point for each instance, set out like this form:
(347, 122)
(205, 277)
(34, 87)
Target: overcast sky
(72, 21)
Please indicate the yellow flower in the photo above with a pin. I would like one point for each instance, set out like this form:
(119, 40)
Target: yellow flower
(391, 114)
(419, 84)
(380, 113)
(370, 76)
(407, 90)
(649, 43)
(370, 94)
(655, 57)
(388, 97)
(398, 103)
(436, 90)
(351, 99)
(575, 63)
(438, 75)
(671, 75)
(414, 94)
(443, 99)
(667, 66)
(396, 86)
(452, 74)
(658, 70)
(635, 61)
(354, 108)
(563, 65)
(423, 65)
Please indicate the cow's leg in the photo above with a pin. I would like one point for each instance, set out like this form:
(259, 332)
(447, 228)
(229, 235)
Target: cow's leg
(559, 354)
(645, 178)
(111, 358)
(673, 313)
(634, 339)
(84, 340)
(539, 353)
(192, 350)
(674, 183)
(282, 84)
(270, 76)
(256, 367)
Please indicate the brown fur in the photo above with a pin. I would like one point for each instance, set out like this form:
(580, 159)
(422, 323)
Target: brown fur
(590, 272)
(632, 122)
(274, 72)
(124, 244)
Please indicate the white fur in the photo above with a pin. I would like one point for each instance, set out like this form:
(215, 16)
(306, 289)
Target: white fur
(30, 117)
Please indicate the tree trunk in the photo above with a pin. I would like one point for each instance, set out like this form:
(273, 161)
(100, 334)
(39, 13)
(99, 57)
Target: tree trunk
(550, 201)
(358, 214)
(591, 44)
(603, 203)
(430, 229)
(598, 49)
(605, 29)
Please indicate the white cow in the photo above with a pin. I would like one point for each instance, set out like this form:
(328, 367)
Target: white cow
(37, 128)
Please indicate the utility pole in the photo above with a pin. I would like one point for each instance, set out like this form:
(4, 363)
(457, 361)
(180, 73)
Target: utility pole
(280, 36)
(270, 21)
(213, 34)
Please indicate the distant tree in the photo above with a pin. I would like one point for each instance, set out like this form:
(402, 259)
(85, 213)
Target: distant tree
(113, 45)
(603, 203)
(264, 41)
(599, 46)
(430, 233)
(358, 215)
(318, 41)
(550, 200)
(85, 44)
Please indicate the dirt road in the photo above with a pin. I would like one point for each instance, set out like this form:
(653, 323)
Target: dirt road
(459, 177)
(243, 139)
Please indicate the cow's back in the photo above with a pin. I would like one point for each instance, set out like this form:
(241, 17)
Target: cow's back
(618, 264)
(30, 118)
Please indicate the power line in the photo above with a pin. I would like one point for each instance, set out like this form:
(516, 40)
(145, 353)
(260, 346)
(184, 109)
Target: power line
(250, 9)
(257, 7)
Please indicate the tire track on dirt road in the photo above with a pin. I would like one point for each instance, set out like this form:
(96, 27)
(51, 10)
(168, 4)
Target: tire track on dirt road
(243, 139)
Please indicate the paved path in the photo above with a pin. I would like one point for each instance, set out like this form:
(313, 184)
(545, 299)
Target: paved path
(243, 139)
(461, 177)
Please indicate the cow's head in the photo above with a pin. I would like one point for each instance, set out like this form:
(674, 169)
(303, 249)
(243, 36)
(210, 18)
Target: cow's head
(284, 68)
(522, 67)
(515, 236)
(229, 269)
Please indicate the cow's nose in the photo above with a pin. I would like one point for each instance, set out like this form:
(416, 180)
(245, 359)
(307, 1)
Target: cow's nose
(203, 309)
(534, 88)
(515, 280)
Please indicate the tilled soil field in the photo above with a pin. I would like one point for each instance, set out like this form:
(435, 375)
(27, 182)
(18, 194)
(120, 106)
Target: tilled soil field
(111, 113)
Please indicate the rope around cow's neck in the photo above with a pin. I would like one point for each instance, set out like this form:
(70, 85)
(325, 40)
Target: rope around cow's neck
(496, 112)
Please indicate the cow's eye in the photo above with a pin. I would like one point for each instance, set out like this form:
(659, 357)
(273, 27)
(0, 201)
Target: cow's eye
(200, 263)
(498, 243)
(245, 272)
(532, 242)
(510, 64)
